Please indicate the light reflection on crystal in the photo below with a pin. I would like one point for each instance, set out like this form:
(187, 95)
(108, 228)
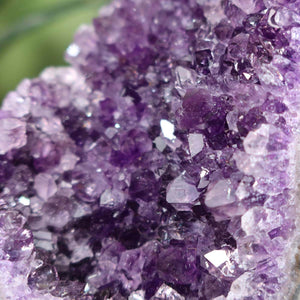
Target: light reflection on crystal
(138, 295)
(73, 50)
(167, 129)
(24, 200)
(166, 292)
(217, 257)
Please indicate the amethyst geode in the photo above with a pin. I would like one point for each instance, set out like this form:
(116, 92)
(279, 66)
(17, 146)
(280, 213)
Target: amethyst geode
(162, 164)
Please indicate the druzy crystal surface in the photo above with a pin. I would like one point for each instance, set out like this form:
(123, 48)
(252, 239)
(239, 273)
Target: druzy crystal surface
(162, 163)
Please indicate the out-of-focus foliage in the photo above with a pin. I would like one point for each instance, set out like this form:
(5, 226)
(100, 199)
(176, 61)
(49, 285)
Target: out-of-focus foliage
(35, 33)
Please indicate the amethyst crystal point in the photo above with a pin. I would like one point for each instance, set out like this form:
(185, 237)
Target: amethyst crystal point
(162, 164)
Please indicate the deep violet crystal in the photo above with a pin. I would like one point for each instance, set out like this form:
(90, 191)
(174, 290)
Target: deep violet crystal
(162, 163)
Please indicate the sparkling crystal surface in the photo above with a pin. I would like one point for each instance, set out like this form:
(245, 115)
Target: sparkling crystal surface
(162, 163)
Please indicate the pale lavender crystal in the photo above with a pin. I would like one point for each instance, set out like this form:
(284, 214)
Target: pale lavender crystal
(13, 132)
(162, 163)
(219, 194)
(181, 192)
(166, 292)
(45, 186)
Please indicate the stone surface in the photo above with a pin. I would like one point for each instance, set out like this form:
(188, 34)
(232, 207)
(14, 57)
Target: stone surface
(162, 163)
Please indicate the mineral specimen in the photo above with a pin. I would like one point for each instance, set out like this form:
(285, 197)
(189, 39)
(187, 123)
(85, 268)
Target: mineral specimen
(162, 164)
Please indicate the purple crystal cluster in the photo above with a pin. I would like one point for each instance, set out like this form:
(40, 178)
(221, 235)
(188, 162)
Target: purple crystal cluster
(161, 165)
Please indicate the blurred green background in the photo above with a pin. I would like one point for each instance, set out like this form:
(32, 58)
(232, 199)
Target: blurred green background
(35, 33)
